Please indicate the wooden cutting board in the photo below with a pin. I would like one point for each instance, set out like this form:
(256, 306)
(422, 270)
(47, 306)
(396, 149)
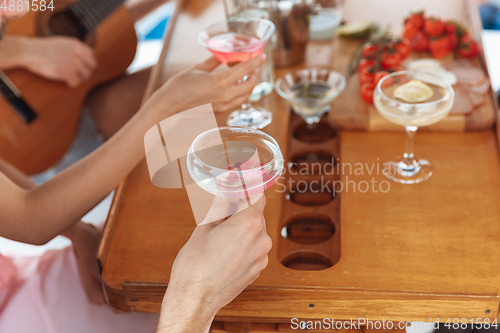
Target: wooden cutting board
(349, 111)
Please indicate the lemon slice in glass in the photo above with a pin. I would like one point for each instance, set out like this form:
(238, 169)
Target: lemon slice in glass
(414, 91)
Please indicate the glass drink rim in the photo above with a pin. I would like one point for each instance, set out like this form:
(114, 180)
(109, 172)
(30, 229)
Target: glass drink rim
(237, 19)
(445, 98)
(309, 69)
(210, 131)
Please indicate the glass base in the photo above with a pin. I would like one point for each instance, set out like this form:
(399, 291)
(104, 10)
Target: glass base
(415, 172)
(253, 117)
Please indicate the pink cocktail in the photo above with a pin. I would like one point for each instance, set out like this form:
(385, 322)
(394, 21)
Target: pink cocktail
(234, 41)
(245, 47)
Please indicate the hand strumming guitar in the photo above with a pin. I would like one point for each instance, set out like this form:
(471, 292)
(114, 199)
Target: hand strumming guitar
(63, 59)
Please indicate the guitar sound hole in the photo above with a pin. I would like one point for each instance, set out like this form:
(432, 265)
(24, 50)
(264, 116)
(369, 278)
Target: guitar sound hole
(66, 23)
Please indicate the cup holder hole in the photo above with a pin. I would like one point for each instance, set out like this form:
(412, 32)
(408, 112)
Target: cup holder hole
(309, 229)
(321, 133)
(307, 261)
(313, 163)
(312, 193)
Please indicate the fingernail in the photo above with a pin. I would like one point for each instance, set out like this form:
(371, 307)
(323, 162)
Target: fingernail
(263, 56)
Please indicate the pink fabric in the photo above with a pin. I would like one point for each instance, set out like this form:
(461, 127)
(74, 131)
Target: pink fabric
(44, 295)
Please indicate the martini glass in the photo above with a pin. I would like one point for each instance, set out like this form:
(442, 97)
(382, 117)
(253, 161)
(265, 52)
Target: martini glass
(310, 91)
(235, 162)
(237, 40)
(407, 169)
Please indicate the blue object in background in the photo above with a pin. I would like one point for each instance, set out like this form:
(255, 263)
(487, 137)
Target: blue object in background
(490, 16)
(157, 31)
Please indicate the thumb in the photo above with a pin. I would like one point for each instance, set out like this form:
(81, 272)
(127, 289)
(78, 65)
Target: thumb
(208, 65)
(218, 212)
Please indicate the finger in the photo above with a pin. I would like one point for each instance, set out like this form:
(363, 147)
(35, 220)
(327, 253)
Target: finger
(83, 71)
(81, 76)
(243, 88)
(208, 65)
(72, 80)
(218, 212)
(260, 204)
(245, 68)
(86, 53)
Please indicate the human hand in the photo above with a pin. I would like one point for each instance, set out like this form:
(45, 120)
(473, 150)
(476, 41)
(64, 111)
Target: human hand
(214, 266)
(60, 58)
(85, 238)
(200, 85)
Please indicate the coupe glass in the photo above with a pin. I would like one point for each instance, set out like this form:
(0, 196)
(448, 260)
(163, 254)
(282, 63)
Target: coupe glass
(235, 162)
(310, 91)
(407, 169)
(234, 41)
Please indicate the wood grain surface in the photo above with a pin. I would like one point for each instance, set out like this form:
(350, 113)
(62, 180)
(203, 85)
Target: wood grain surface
(424, 251)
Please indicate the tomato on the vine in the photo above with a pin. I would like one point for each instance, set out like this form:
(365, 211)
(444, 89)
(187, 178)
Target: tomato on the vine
(410, 30)
(366, 91)
(365, 63)
(390, 59)
(417, 19)
(369, 50)
(404, 48)
(439, 47)
(379, 76)
(434, 26)
(366, 75)
(420, 42)
(469, 47)
(452, 42)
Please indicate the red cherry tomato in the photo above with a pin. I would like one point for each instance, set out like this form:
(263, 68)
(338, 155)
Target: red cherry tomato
(378, 76)
(434, 26)
(404, 48)
(420, 42)
(439, 47)
(417, 19)
(365, 63)
(366, 92)
(452, 42)
(367, 75)
(369, 50)
(450, 27)
(410, 30)
(469, 47)
(390, 59)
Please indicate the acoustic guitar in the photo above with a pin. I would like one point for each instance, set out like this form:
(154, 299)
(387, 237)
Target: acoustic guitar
(39, 117)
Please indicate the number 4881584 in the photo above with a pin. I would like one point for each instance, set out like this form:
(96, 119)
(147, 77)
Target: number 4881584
(27, 5)
(476, 323)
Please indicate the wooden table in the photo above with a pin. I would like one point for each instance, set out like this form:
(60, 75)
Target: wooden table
(430, 250)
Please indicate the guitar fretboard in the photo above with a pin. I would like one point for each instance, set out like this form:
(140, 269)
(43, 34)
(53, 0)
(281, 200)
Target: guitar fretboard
(93, 12)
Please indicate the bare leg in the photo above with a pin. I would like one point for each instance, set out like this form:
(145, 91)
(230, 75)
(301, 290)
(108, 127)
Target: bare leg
(114, 103)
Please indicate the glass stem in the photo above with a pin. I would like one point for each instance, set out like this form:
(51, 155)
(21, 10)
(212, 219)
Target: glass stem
(408, 156)
(246, 112)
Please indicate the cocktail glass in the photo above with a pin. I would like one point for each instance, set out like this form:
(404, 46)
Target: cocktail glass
(310, 91)
(407, 169)
(235, 162)
(234, 41)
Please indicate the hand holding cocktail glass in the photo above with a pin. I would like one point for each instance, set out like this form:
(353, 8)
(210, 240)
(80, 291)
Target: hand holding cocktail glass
(237, 40)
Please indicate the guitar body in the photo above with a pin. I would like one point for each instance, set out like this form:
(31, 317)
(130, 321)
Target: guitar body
(36, 146)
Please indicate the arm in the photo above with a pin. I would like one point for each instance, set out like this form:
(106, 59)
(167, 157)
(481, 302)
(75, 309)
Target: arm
(13, 52)
(85, 238)
(207, 275)
(36, 215)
